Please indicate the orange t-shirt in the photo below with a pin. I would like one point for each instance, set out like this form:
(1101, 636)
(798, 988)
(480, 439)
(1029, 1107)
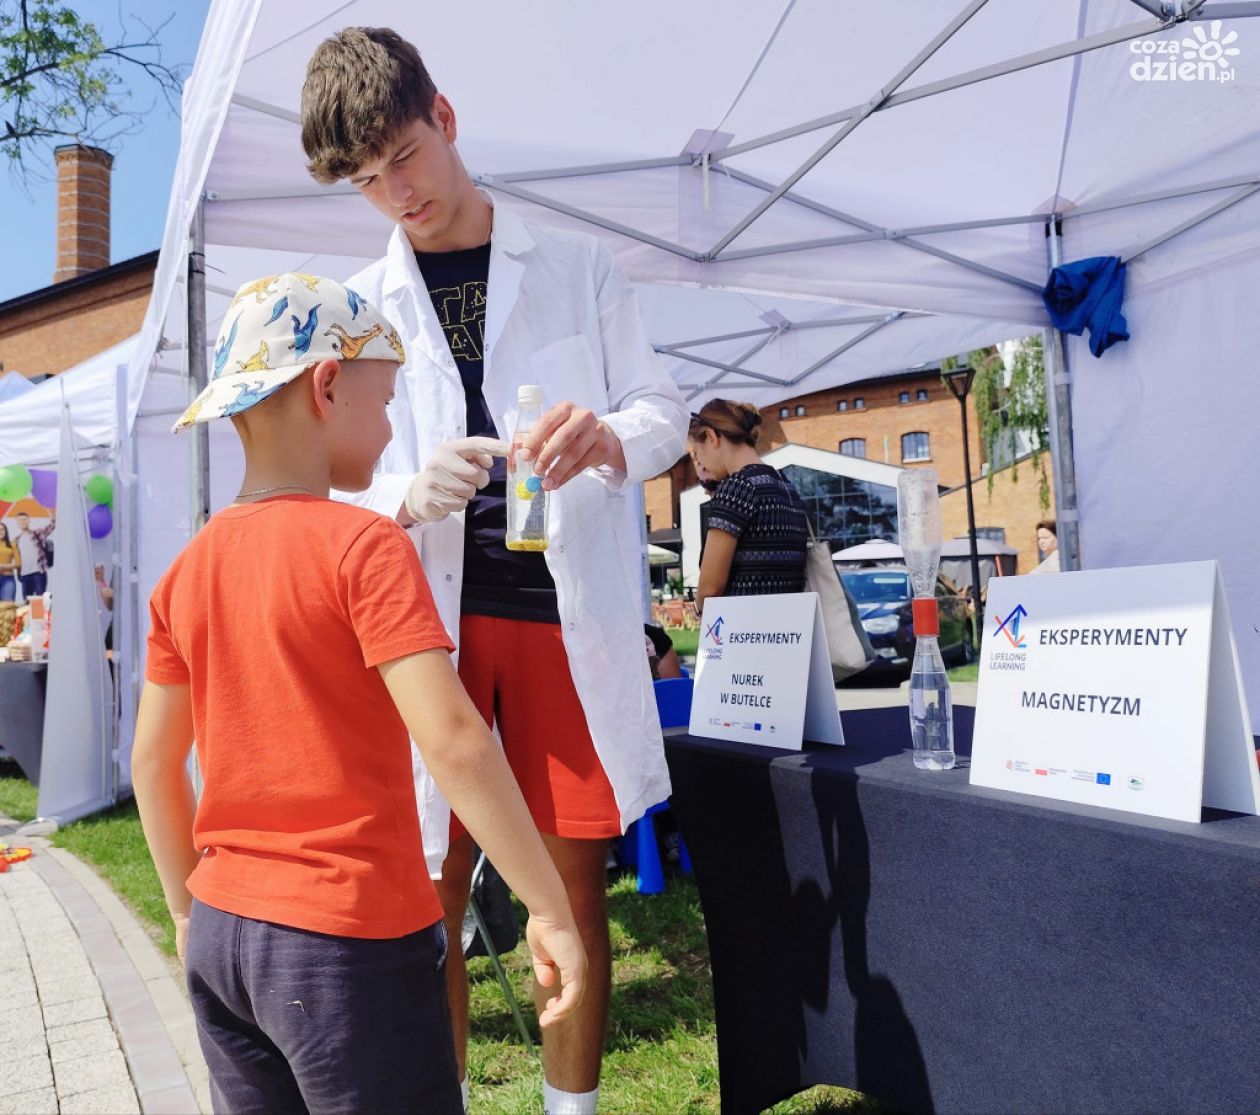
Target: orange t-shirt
(277, 615)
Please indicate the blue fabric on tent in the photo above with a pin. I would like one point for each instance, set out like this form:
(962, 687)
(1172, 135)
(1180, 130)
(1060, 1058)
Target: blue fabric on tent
(1088, 294)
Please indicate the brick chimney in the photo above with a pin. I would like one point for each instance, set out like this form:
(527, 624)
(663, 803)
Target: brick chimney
(82, 210)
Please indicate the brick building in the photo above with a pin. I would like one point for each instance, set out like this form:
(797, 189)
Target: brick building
(908, 420)
(1014, 505)
(90, 303)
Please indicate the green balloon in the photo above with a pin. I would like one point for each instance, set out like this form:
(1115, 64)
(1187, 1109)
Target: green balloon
(16, 482)
(100, 489)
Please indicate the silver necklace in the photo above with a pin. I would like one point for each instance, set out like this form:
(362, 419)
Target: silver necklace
(280, 488)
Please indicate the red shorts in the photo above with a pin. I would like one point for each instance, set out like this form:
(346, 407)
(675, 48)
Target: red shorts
(518, 674)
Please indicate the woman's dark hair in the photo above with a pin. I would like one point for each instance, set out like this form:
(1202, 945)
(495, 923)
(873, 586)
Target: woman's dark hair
(737, 422)
(4, 533)
(1048, 524)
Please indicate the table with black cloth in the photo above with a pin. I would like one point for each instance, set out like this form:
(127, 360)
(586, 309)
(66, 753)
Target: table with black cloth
(22, 686)
(948, 948)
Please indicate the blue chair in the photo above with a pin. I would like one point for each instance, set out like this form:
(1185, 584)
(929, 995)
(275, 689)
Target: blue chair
(673, 701)
(639, 848)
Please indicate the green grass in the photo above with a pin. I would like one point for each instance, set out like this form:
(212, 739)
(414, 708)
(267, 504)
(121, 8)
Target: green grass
(17, 795)
(661, 1051)
(685, 642)
(969, 672)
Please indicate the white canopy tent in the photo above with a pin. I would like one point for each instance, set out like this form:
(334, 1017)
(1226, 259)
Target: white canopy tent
(13, 385)
(30, 421)
(151, 473)
(812, 194)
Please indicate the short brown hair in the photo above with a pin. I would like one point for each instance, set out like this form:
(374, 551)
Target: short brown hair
(736, 422)
(363, 85)
(1048, 524)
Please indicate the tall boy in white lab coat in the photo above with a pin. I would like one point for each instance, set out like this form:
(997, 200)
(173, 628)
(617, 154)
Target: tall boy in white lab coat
(550, 644)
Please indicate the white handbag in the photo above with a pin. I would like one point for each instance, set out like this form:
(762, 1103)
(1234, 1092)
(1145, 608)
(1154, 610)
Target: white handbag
(851, 650)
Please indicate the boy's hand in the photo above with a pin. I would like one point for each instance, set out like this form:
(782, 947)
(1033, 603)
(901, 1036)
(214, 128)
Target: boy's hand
(181, 935)
(452, 477)
(568, 440)
(557, 951)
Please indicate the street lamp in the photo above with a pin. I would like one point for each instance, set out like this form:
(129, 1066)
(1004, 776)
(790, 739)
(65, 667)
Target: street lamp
(959, 382)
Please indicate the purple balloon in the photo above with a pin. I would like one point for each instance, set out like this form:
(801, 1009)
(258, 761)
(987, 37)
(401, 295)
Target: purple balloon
(100, 521)
(44, 488)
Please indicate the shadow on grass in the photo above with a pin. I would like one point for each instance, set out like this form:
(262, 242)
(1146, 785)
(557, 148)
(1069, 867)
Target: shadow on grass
(661, 1052)
(661, 980)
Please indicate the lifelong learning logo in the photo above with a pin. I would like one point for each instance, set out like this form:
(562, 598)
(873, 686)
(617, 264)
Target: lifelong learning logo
(712, 650)
(1013, 658)
(1010, 627)
(1198, 57)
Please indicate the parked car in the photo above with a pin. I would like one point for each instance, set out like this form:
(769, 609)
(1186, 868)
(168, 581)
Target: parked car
(883, 601)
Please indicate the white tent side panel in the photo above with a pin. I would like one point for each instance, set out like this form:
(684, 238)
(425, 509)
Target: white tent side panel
(1166, 440)
(164, 471)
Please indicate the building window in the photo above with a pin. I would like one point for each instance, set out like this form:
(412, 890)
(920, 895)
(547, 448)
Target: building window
(915, 447)
(844, 510)
(921, 395)
(854, 447)
(785, 412)
(800, 412)
(904, 397)
(859, 403)
(842, 405)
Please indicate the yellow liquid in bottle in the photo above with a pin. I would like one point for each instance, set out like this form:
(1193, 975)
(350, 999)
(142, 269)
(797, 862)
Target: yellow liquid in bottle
(527, 545)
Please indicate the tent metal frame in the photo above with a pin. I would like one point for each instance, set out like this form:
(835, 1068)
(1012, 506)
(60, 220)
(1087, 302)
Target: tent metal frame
(1164, 15)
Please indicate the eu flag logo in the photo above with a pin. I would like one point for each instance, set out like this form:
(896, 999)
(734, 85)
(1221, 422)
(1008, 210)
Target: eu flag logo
(1104, 780)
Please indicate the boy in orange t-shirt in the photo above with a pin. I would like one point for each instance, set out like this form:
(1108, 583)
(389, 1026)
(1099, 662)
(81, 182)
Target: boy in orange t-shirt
(295, 640)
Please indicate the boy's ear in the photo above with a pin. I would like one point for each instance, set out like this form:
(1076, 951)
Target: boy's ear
(443, 116)
(325, 386)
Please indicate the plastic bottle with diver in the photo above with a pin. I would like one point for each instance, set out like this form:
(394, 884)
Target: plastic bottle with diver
(931, 705)
(526, 500)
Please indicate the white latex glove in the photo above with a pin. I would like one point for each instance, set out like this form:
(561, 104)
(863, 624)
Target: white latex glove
(454, 474)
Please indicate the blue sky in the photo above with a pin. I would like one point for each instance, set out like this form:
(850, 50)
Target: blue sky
(143, 162)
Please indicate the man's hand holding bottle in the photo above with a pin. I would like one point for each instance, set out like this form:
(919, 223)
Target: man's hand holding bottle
(566, 441)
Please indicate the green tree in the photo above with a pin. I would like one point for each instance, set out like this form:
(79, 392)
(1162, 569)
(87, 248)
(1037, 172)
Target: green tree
(61, 81)
(1010, 404)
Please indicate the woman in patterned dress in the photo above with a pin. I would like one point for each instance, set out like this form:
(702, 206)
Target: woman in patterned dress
(757, 529)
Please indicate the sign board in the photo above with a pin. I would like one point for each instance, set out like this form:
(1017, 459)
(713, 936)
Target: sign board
(763, 672)
(1115, 687)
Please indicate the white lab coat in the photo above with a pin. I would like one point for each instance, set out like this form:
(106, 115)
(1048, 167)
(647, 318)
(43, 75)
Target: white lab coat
(559, 313)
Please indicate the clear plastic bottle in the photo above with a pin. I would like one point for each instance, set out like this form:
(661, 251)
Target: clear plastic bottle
(526, 500)
(931, 706)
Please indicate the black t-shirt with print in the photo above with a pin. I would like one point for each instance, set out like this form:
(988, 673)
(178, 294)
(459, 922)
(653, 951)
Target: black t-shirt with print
(497, 581)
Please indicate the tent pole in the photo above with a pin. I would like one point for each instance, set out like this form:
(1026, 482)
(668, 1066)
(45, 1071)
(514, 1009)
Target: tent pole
(880, 98)
(1198, 219)
(737, 368)
(197, 370)
(869, 331)
(129, 657)
(490, 182)
(704, 361)
(1059, 398)
(122, 712)
(822, 323)
(985, 73)
(871, 232)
